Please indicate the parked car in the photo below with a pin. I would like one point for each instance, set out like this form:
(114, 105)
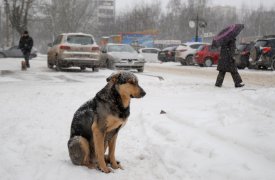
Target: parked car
(121, 56)
(74, 50)
(207, 56)
(242, 55)
(150, 54)
(167, 54)
(262, 55)
(186, 51)
(15, 52)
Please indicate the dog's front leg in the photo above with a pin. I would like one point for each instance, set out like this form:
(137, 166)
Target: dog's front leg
(98, 137)
(112, 147)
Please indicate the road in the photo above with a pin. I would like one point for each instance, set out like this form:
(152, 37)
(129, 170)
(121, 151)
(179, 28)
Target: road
(250, 77)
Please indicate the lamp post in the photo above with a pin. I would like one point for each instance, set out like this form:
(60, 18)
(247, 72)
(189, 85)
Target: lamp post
(1, 39)
(197, 23)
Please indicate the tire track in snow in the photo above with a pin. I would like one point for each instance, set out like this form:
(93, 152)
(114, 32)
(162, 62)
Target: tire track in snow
(220, 137)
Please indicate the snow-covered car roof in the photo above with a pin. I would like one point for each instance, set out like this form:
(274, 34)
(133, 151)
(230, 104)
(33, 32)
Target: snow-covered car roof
(191, 43)
(79, 33)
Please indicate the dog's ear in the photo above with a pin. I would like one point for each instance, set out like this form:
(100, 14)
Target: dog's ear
(113, 77)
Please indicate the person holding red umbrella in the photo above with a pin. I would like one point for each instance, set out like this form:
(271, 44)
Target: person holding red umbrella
(227, 40)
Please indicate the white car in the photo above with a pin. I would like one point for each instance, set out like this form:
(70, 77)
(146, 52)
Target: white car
(150, 54)
(186, 51)
(74, 50)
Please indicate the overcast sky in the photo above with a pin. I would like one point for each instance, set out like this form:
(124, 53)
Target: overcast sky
(123, 5)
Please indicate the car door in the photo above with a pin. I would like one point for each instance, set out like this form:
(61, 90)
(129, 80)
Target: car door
(148, 55)
(14, 52)
(154, 54)
(215, 54)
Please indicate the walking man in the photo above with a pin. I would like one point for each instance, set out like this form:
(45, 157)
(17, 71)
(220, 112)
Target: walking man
(25, 44)
(227, 64)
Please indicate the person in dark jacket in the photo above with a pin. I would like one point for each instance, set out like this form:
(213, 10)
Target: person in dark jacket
(227, 64)
(25, 44)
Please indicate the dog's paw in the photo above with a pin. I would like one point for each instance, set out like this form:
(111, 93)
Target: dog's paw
(116, 166)
(91, 166)
(105, 169)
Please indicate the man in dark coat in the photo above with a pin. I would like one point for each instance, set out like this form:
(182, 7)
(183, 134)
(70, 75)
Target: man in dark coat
(227, 64)
(25, 44)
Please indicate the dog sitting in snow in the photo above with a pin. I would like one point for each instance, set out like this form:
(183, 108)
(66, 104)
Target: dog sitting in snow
(96, 123)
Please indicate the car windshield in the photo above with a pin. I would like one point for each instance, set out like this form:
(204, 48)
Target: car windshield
(80, 39)
(120, 48)
(261, 43)
(241, 47)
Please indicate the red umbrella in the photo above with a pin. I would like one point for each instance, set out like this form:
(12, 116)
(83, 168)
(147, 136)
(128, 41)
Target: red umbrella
(227, 34)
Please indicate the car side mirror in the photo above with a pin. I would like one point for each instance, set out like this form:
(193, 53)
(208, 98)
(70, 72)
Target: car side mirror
(50, 45)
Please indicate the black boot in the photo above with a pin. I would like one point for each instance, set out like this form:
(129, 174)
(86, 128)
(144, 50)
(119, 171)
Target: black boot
(239, 85)
(28, 64)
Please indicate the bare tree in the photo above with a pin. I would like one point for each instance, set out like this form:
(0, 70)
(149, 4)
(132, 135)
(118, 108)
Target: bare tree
(142, 17)
(17, 11)
(70, 15)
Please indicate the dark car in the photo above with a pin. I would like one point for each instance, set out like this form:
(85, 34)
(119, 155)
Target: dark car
(262, 55)
(242, 55)
(167, 54)
(14, 51)
(207, 56)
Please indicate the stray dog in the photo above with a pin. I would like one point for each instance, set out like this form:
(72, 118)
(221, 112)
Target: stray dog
(96, 123)
(23, 66)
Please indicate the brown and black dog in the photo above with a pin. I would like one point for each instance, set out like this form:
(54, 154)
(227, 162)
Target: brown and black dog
(96, 123)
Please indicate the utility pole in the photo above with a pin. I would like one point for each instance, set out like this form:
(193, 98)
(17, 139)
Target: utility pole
(197, 27)
(1, 39)
(7, 27)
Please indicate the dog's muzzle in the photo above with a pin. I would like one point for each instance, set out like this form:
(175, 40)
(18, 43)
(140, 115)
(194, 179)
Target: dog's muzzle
(142, 92)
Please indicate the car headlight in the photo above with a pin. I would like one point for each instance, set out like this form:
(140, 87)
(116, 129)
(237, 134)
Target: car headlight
(141, 59)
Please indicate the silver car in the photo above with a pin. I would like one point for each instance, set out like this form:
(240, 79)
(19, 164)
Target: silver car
(121, 56)
(14, 51)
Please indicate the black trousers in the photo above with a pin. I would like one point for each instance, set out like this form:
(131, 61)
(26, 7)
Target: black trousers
(235, 75)
(27, 58)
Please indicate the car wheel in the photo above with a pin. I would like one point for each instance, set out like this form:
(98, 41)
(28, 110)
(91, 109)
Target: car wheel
(189, 60)
(140, 70)
(208, 62)
(2, 55)
(251, 66)
(82, 68)
(95, 69)
(240, 67)
(49, 65)
(273, 64)
(109, 64)
(57, 65)
(183, 62)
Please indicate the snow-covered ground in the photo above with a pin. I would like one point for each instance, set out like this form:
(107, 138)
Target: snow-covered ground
(206, 133)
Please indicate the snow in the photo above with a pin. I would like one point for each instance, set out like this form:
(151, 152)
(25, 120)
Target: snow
(206, 133)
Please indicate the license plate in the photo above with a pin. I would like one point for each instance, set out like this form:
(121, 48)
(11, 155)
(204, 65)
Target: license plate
(81, 55)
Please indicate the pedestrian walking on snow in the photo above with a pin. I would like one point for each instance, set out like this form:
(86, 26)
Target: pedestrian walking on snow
(26, 44)
(226, 39)
(227, 64)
